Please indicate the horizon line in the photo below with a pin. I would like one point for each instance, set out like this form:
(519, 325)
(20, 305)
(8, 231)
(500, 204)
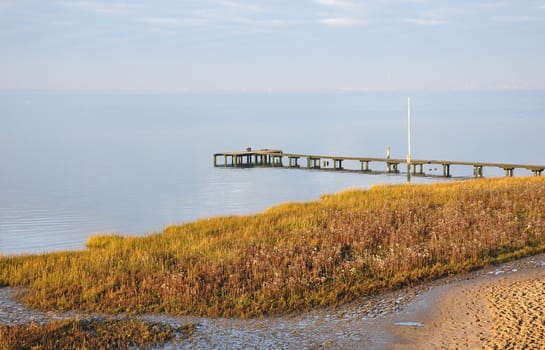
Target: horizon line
(264, 91)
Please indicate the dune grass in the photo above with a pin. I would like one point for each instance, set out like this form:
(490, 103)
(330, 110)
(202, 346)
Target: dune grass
(89, 334)
(295, 256)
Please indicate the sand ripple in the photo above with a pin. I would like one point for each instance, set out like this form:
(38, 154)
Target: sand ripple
(502, 309)
(518, 314)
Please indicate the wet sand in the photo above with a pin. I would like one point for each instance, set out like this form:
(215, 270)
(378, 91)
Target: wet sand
(496, 307)
(503, 309)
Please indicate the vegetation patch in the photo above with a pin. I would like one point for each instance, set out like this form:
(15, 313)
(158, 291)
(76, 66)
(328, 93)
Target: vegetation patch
(295, 256)
(89, 334)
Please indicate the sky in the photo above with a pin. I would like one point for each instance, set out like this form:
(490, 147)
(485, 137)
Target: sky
(272, 45)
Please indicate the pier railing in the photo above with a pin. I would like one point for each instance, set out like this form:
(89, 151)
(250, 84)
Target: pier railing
(277, 158)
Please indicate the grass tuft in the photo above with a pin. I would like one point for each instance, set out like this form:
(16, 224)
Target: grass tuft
(104, 241)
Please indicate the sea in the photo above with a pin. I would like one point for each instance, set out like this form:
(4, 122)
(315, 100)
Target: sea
(78, 164)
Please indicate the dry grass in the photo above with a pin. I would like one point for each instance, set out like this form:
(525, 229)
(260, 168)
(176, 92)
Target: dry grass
(294, 257)
(89, 334)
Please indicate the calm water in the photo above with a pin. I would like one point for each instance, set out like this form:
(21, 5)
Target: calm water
(74, 165)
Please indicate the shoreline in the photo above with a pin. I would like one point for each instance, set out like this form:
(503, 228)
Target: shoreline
(443, 313)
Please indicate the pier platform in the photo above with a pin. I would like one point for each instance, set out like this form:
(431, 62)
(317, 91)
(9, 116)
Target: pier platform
(277, 158)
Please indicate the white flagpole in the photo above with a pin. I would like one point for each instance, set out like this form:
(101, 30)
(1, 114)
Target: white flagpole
(409, 139)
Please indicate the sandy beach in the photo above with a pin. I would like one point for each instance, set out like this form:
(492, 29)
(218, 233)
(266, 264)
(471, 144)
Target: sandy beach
(502, 309)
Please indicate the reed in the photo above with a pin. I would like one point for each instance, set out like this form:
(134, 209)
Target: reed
(294, 256)
(90, 334)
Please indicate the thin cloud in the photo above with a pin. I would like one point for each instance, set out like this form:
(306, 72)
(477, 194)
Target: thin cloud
(172, 21)
(201, 18)
(426, 21)
(243, 7)
(105, 8)
(263, 22)
(5, 4)
(336, 3)
(62, 23)
(517, 19)
(342, 22)
(491, 5)
(436, 16)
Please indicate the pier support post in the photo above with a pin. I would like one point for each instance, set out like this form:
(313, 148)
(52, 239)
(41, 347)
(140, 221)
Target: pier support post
(313, 162)
(509, 171)
(215, 160)
(392, 167)
(478, 170)
(277, 160)
(366, 165)
(446, 170)
(293, 162)
(414, 168)
(420, 169)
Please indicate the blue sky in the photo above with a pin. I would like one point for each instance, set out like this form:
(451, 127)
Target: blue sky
(272, 45)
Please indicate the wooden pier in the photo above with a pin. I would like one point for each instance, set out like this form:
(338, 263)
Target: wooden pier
(276, 158)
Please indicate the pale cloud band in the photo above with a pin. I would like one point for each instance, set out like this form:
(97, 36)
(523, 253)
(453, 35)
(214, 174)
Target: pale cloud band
(336, 3)
(342, 22)
(426, 21)
(108, 8)
(518, 19)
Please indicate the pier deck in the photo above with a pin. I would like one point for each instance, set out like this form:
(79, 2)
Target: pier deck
(275, 158)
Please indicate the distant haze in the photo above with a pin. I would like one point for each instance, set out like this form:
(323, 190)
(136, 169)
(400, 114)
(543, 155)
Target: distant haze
(280, 45)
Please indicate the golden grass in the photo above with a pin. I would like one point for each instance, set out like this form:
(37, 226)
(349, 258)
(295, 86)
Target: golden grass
(89, 334)
(295, 256)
